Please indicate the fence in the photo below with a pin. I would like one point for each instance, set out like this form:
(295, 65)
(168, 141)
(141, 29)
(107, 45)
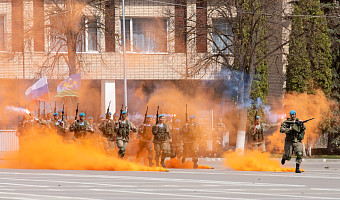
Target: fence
(8, 140)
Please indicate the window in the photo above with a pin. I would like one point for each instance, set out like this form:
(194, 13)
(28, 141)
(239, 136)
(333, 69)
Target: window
(222, 36)
(2, 33)
(87, 35)
(148, 35)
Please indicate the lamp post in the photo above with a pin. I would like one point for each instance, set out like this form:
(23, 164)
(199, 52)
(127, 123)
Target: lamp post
(124, 56)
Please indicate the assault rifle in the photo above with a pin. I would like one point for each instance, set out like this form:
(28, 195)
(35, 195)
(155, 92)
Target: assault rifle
(108, 109)
(298, 122)
(146, 114)
(121, 113)
(157, 118)
(186, 113)
(76, 112)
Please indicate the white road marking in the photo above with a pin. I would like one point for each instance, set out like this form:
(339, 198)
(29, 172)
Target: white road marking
(45, 196)
(168, 180)
(261, 194)
(19, 184)
(165, 194)
(326, 189)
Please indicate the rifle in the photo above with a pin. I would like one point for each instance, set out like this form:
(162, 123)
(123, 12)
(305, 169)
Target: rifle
(186, 113)
(108, 109)
(298, 122)
(62, 114)
(44, 110)
(157, 120)
(121, 112)
(76, 112)
(146, 113)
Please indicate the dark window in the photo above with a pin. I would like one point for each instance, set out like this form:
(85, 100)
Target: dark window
(2, 33)
(222, 36)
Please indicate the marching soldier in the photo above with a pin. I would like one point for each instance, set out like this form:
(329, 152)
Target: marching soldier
(81, 127)
(58, 125)
(107, 128)
(161, 140)
(191, 133)
(295, 132)
(122, 129)
(145, 139)
(177, 140)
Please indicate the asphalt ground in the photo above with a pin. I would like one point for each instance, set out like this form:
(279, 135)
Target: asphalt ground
(320, 181)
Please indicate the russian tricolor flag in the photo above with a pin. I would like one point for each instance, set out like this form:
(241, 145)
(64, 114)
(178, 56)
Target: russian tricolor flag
(38, 91)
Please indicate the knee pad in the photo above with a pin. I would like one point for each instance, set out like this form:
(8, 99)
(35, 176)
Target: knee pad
(299, 155)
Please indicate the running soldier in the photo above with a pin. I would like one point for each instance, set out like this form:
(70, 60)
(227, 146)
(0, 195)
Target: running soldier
(161, 140)
(122, 129)
(220, 131)
(81, 127)
(107, 128)
(177, 139)
(295, 132)
(58, 125)
(145, 139)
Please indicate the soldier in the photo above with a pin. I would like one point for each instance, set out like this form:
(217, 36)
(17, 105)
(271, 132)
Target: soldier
(220, 131)
(161, 140)
(295, 132)
(107, 128)
(58, 125)
(122, 129)
(81, 127)
(191, 133)
(145, 139)
(177, 140)
(257, 134)
(115, 117)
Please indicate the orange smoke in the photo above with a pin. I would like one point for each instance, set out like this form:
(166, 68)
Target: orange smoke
(254, 161)
(176, 163)
(49, 151)
(306, 106)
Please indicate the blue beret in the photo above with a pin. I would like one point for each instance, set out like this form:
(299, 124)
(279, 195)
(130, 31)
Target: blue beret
(258, 117)
(55, 114)
(292, 112)
(90, 117)
(101, 116)
(161, 115)
(192, 116)
(177, 120)
(116, 114)
(109, 113)
(124, 112)
(149, 116)
(60, 110)
(82, 115)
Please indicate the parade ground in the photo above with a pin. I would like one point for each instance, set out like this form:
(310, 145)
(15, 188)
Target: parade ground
(320, 180)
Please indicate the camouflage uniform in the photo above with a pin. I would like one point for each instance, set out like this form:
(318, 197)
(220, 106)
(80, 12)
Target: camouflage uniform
(122, 130)
(81, 129)
(258, 141)
(107, 128)
(220, 131)
(177, 140)
(145, 141)
(58, 126)
(161, 139)
(191, 137)
(293, 139)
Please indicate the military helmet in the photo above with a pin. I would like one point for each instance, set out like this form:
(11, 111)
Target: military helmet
(82, 115)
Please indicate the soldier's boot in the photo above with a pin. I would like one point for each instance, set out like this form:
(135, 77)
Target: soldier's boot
(297, 169)
(150, 162)
(283, 161)
(183, 160)
(162, 162)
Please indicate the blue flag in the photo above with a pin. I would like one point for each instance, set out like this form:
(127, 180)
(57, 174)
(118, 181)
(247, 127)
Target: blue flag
(71, 83)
